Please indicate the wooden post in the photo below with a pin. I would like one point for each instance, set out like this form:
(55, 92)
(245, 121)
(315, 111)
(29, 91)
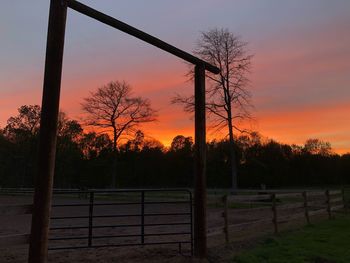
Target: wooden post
(274, 213)
(200, 215)
(306, 208)
(344, 200)
(225, 215)
(48, 132)
(328, 202)
(91, 217)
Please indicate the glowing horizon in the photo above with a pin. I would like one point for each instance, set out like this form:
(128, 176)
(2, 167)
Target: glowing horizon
(300, 77)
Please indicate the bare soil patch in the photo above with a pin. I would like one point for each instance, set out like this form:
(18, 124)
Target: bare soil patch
(218, 251)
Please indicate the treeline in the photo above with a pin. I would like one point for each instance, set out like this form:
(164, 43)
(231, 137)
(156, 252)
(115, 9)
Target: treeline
(86, 159)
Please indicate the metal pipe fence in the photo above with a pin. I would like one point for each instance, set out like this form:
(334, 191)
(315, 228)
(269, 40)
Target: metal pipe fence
(150, 217)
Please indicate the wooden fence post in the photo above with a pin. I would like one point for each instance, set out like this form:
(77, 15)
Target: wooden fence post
(306, 208)
(344, 200)
(274, 211)
(328, 202)
(225, 215)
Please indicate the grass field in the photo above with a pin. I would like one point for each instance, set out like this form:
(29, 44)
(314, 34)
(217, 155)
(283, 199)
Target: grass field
(326, 242)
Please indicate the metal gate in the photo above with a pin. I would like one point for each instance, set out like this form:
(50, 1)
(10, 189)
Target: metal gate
(115, 218)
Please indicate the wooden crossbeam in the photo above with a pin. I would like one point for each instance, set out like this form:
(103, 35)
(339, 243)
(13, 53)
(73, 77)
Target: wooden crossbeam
(108, 20)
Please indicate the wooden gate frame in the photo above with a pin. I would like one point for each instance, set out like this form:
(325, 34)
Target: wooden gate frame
(49, 117)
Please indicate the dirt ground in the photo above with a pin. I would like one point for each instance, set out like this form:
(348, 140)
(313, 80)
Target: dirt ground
(218, 251)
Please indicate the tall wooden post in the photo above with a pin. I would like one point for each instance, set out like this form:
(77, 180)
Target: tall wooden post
(200, 195)
(225, 215)
(306, 208)
(274, 213)
(344, 199)
(48, 132)
(328, 202)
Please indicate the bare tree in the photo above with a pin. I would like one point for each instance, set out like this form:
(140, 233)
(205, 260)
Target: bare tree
(228, 99)
(113, 108)
(25, 124)
(317, 146)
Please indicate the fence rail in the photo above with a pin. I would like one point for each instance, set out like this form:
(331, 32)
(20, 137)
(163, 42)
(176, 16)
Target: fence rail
(276, 207)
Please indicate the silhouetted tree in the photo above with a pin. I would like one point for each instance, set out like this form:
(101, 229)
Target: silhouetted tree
(228, 97)
(136, 144)
(69, 154)
(92, 144)
(71, 129)
(114, 109)
(7, 164)
(84, 159)
(25, 124)
(22, 130)
(316, 146)
(181, 143)
(153, 144)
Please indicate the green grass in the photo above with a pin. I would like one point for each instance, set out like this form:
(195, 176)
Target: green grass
(325, 242)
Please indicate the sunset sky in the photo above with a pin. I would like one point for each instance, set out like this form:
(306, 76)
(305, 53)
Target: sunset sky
(300, 79)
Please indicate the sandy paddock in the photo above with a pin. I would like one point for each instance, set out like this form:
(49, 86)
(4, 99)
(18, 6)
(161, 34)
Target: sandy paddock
(158, 253)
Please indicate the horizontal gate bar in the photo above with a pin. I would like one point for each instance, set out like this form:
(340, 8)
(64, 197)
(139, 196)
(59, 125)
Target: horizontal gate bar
(118, 236)
(122, 245)
(126, 203)
(111, 226)
(106, 216)
(108, 20)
